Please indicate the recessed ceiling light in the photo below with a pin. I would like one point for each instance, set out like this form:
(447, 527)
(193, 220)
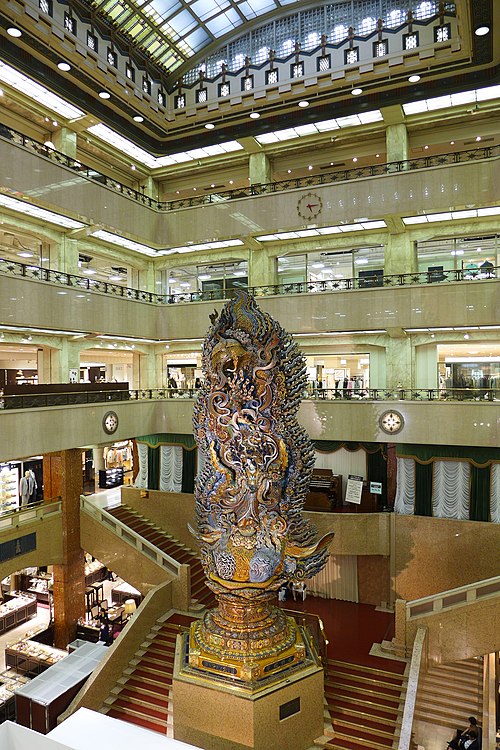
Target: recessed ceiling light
(132, 167)
(104, 94)
(254, 115)
(138, 118)
(310, 166)
(64, 66)
(212, 185)
(452, 143)
(231, 182)
(426, 147)
(303, 103)
(482, 30)
(377, 156)
(115, 278)
(356, 92)
(478, 137)
(414, 78)
(289, 171)
(12, 31)
(89, 271)
(209, 125)
(355, 159)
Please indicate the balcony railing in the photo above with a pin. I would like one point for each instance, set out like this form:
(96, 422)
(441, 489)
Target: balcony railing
(327, 178)
(42, 400)
(36, 273)
(30, 513)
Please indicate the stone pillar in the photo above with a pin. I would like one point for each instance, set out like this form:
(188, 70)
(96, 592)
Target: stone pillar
(62, 477)
(400, 255)
(64, 256)
(69, 359)
(65, 140)
(262, 268)
(399, 360)
(397, 142)
(146, 278)
(149, 187)
(259, 169)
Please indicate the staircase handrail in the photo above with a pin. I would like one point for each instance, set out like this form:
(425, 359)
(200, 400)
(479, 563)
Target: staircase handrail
(451, 598)
(128, 535)
(405, 734)
(29, 514)
(316, 628)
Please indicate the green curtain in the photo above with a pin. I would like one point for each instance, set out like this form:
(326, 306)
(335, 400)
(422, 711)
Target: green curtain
(427, 453)
(168, 438)
(153, 468)
(330, 446)
(480, 487)
(376, 464)
(423, 489)
(188, 470)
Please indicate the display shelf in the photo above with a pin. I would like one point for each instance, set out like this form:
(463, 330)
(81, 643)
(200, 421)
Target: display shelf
(95, 572)
(9, 491)
(125, 591)
(16, 610)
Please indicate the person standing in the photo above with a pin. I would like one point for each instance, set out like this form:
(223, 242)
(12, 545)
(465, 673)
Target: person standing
(24, 489)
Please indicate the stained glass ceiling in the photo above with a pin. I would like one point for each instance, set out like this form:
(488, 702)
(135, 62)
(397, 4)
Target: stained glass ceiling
(172, 31)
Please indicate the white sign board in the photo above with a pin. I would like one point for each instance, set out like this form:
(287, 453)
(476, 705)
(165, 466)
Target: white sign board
(376, 488)
(354, 489)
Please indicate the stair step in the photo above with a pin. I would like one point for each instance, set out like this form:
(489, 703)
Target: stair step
(131, 707)
(355, 680)
(340, 725)
(155, 726)
(141, 672)
(137, 695)
(333, 663)
(380, 699)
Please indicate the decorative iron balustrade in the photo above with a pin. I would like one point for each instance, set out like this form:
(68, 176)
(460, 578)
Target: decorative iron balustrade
(43, 400)
(339, 175)
(36, 273)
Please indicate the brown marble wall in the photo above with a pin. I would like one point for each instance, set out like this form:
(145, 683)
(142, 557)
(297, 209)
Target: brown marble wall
(373, 579)
(62, 476)
(437, 554)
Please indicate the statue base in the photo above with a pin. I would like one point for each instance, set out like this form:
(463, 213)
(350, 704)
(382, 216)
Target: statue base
(222, 711)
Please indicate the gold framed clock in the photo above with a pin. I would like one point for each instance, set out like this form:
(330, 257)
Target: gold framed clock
(391, 422)
(110, 422)
(309, 206)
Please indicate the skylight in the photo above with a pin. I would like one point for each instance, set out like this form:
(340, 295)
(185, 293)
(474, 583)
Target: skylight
(452, 100)
(320, 127)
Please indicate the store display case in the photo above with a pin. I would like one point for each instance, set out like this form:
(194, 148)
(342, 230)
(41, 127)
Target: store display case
(40, 586)
(125, 591)
(111, 477)
(15, 610)
(30, 657)
(95, 572)
(10, 681)
(9, 490)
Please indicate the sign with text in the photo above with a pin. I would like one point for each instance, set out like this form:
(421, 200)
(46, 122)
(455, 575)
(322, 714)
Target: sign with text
(376, 488)
(354, 489)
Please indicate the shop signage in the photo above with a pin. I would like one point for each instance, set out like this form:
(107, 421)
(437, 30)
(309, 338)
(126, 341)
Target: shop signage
(376, 488)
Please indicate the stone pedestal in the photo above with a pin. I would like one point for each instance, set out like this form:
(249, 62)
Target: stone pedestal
(215, 716)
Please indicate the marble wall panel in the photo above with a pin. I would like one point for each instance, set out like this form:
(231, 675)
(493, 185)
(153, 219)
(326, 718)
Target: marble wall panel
(437, 554)
(49, 545)
(30, 432)
(65, 190)
(373, 579)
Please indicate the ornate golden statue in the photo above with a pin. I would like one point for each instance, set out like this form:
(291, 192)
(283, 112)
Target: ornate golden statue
(249, 493)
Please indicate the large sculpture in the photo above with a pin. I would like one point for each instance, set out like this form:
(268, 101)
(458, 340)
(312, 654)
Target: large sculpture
(249, 493)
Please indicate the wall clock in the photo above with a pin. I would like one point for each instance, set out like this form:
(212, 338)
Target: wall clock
(391, 422)
(110, 422)
(309, 206)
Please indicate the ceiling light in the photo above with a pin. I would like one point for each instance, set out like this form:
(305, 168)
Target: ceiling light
(64, 66)
(115, 278)
(185, 284)
(466, 336)
(310, 166)
(426, 147)
(204, 276)
(254, 115)
(116, 239)
(212, 185)
(289, 171)
(478, 138)
(377, 156)
(138, 118)
(39, 213)
(414, 78)
(482, 30)
(38, 93)
(231, 182)
(25, 254)
(209, 126)
(89, 271)
(104, 94)
(355, 159)
(12, 31)
(452, 143)
(172, 281)
(303, 103)
(357, 92)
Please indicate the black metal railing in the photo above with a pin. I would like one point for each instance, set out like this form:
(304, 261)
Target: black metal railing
(326, 178)
(352, 395)
(36, 273)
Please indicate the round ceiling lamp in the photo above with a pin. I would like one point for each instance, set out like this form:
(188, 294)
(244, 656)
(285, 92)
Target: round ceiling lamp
(209, 126)
(303, 103)
(357, 92)
(138, 118)
(13, 31)
(104, 94)
(482, 30)
(254, 115)
(64, 66)
(414, 78)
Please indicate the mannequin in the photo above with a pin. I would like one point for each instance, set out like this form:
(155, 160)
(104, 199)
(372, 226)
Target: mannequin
(24, 489)
(32, 486)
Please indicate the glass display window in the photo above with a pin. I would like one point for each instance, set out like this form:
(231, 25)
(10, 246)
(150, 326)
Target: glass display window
(337, 266)
(476, 256)
(208, 281)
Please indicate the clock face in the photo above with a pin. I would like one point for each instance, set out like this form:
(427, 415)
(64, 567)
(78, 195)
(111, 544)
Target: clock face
(391, 422)
(110, 422)
(309, 206)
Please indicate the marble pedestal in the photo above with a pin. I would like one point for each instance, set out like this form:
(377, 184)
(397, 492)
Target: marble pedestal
(214, 716)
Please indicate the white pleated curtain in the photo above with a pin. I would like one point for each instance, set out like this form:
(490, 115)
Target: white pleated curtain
(342, 462)
(405, 487)
(171, 459)
(141, 479)
(451, 489)
(337, 580)
(495, 493)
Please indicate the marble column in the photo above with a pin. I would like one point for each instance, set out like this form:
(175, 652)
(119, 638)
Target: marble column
(146, 278)
(400, 255)
(69, 359)
(262, 268)
(65, 141)
(62, 477)
(259, 169)
(149, 187)
(399, 360)
(397, 142)
(64, 256)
